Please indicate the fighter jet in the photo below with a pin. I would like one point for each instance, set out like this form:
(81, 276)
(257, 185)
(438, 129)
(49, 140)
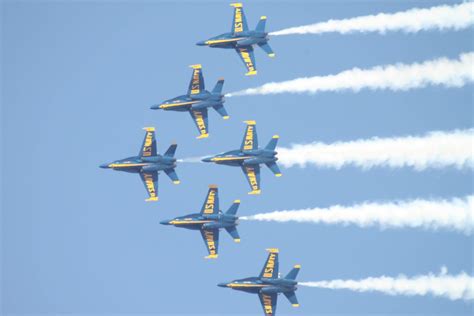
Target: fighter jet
(249, 157)
(269, 284)
(148, 163)
(209, 221)
(197, 101)
(242, 40)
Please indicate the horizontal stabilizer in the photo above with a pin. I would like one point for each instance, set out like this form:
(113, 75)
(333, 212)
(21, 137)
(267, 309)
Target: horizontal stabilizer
(267, 49)
(274, 168)
(222, 111)
(171, 150)
(234, 233)
(171, 173)
(293, 273)
(233, 208)
(291, 296)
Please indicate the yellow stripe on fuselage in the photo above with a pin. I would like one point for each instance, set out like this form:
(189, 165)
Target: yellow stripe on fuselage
(126, 165)
(246, 285)
(188, 222)
(229, 158)
(170, 105)
(210, 42)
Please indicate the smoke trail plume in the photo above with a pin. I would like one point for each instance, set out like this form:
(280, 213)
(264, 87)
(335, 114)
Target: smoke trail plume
(453, 287)
(433, 150)
(456, 214)
(441, 18)
(398, 77)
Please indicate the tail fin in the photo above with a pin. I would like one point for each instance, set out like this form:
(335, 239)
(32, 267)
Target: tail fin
(293, 273)
(272, 143)
(218, 87)
(171, 151)
(233, 208)
(234, 233)
(261, 24)
(291, 296)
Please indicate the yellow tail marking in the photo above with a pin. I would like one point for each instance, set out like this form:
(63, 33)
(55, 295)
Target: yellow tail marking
(237, 240)
(250, 122)
(298, 266)
(149, 129)
(197, 66)
(271, 55)
(236, 5)
(275, 250)
(236, 201)
(211, 257)
(295, 305)
(177, 182)
(152, 199)
(251, 73)
(226, 117)
(254, 192)
(203, 136)
(278, 174)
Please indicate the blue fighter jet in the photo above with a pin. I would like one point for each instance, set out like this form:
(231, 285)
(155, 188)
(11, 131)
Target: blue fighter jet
(249, 157)
(268, 284)
(242, 40)
(148, 163)
(197, 101)
(209, 221)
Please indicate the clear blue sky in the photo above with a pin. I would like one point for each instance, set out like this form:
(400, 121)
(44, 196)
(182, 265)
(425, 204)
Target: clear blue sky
(78, 79)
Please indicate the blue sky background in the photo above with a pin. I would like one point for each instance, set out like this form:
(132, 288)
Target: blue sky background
(78, 79)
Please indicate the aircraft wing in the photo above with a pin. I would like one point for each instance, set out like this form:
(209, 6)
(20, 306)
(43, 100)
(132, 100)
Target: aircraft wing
(196, 85)
(248, 58)
(148, 148)
(269, 303)
(211, 240)
(252, 173)
(150, 180)
(211, 203)
(239, 21)
(270, 269)
(250, 140)
(200, 119)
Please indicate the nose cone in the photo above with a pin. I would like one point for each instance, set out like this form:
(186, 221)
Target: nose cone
(207, 159)
(104, 166)
(155, 107)
(166, 222)
(222, 285)
(201, 43)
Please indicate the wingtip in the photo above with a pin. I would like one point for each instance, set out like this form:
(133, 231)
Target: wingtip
(263, 17)
(250, 122)
(220, 79)
(177, 182)
(237, 240)
(278, 174)
(212, 186)
(295, 305)
(274, 250)
(276, 136)
(236, 5)
(196, 66)
(226, 117)
(149, 129)
(152, 199)
(203, 136)
(271, 55)
(251, 73)
(237, 201)
(211, 257)
(255, 192)
(297, 266)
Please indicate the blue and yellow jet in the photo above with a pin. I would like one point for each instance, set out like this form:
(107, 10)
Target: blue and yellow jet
(148, 163)
(242, 40)
(197, 101)
(268, 284)
(249, 157)
(209, 221)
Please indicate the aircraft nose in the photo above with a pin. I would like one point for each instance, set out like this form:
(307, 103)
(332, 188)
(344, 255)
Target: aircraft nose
(208, 159)
(155, 107)
(222, 285)
(201, 43)
(166, 222)
(104, 166)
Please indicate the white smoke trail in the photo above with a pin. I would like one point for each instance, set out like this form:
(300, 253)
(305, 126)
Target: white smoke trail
(191, 160)
(456, 214)
(453, 287)
(441, 18)
(433, 150)
(398, 77)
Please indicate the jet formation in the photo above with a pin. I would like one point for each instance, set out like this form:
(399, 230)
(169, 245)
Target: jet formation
(209, 221)
(197, 101)
(241, 39)
(148, 163)
(268, 284)
(249, 157)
